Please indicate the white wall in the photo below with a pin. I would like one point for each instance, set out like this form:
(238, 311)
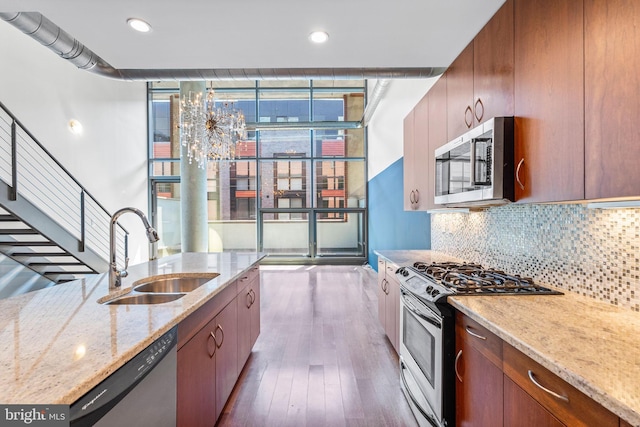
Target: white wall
(44, 92)
(385, 127)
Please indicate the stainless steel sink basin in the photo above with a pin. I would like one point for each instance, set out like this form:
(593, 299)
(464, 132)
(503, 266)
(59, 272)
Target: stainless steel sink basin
(146, 299)
(173, 284)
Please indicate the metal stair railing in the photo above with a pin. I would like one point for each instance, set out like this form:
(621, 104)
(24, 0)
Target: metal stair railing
(31, 172)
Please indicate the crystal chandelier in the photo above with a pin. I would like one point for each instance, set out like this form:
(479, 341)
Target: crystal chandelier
(208, 131)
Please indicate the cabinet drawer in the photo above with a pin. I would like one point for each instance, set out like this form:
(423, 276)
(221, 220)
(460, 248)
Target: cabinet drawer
(570, 406)
(199, 318)
(391, 269)
(248, 277)
(479, 337)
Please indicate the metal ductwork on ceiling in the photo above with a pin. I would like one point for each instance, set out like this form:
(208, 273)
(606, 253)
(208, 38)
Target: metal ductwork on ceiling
(374, 99)
(66, 46)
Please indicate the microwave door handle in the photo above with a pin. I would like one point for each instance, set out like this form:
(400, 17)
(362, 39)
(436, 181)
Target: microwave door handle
(472, 165)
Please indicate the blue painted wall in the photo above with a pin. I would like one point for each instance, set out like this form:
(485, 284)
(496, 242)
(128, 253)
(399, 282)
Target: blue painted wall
(390, 227)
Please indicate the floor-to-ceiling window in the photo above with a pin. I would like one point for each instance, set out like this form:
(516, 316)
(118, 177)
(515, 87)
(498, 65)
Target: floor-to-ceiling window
(296, 188)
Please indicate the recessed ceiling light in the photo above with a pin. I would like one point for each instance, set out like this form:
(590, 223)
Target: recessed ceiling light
(139, 25)
(75, 127)
(319, 36)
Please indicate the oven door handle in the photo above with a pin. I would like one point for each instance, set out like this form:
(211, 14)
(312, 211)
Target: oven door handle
(435, 321)
(424, 413)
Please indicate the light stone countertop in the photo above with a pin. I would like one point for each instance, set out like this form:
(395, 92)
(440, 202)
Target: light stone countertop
(59, 342)
(592, 345)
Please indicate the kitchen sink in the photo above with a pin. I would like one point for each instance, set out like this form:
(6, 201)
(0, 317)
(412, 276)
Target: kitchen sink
(146, 299)
(173, 283)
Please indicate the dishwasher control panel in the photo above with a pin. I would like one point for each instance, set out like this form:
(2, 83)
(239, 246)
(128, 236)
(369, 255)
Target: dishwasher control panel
(116, 386)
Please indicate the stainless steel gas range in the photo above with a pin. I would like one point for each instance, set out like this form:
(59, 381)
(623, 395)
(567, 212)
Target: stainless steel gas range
(427, 332)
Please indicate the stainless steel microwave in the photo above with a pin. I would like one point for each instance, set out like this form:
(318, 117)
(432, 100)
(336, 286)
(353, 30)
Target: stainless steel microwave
(477, 168)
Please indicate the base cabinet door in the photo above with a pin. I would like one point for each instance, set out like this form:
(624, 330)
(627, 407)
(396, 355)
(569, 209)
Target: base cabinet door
(522, 410)
(226, 334)
(382, 294)
(196, 372)
(389, 301)
(392, 307)
(248, 306)
(479, 377)
(255, 310)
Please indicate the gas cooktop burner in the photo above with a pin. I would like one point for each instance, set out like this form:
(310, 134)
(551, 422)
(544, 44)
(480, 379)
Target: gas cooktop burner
(447, 278)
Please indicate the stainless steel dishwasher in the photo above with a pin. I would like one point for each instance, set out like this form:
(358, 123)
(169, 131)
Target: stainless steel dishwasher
(140, 393)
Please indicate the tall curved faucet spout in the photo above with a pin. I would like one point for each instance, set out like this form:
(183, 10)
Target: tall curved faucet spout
(116, 275)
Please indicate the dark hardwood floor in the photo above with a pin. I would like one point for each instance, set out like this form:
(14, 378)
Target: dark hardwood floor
(322, 358)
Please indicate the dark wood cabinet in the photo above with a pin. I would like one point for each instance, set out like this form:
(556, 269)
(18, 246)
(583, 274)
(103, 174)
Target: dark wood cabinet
(565, 402)
(214, 343)
(226, 357)
(549, 100)
(208, 370)
(493, 67)
(389, 301)
(612, 107)
(196, 372)
(479, 378)
(416, 154)
(522, 410)
(480, 80)
(460, 94)
(497, 385)
(409, 184)
(248, 303)
(437, 98)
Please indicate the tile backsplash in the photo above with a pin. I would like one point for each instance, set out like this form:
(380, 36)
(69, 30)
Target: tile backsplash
(594, 252)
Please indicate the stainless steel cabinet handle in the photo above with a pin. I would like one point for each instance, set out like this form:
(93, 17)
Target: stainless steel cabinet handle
(518, 173)
(473, 334)
(249, 302)
(456, 365)
(411, 198)
(222, 340)
(469, 123)
(551, 392)
(417, 198)
(479, 117)
(253, 296)
(211, 335)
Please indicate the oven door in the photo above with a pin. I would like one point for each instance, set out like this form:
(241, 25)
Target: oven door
(421, 355)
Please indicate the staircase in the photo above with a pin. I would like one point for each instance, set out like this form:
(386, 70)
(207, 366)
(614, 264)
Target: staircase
(49, 223)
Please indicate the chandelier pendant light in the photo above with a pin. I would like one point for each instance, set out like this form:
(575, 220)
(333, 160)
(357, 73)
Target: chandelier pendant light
(208, 131)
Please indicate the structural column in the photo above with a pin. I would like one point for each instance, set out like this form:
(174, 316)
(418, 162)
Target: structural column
(193, 192)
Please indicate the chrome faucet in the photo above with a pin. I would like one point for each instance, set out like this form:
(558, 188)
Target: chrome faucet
(115, 275)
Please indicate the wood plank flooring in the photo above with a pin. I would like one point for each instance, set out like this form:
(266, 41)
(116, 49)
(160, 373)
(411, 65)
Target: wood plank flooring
(322, 358)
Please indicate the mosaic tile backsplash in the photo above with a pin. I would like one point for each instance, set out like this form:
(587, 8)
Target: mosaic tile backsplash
(594, 252)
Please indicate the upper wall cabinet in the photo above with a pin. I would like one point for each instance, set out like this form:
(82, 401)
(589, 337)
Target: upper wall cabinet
(480, 80)
(409, 184)
(437, 99)
(416, 155)
(612, 106)
(493, 67)
(549, 100)
(460, 94)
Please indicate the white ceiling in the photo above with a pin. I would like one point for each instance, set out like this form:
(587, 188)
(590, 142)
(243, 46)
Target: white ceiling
(268, 34)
